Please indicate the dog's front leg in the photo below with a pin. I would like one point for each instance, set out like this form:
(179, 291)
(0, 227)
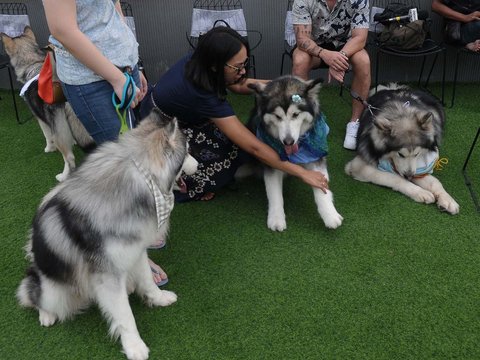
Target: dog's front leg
(362, 171)
(112, 298)
(145, 286)
(444, 200)
(325, 206)
(274, 187)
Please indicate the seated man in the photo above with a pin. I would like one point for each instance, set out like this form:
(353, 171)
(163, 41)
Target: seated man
(465, 12)
(334, 32)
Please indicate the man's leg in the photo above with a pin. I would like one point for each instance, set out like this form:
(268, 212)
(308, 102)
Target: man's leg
(360, 84)
(303, 63)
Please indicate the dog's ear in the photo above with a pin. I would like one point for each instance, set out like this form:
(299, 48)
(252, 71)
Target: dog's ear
(257, 87)
(313, 88)
(28, 32)
(8, 43)
(425, 122)
(382, 124)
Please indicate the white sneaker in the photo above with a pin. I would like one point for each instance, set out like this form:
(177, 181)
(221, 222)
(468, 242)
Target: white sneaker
(350, 141)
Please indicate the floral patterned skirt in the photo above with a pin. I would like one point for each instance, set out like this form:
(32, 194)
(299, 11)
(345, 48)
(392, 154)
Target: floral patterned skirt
(218, 160)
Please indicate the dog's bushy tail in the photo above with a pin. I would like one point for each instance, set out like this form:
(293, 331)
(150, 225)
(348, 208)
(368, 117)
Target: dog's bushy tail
(30, 289)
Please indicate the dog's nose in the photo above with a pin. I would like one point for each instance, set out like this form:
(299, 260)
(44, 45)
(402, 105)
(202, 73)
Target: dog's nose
(288, 141)
(408, 175)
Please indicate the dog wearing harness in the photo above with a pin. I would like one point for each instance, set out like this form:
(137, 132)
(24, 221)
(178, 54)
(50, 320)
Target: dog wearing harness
(287, 117)
(398, 145)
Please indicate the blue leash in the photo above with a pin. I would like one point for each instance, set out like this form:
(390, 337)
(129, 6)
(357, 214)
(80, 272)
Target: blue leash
(122, 106)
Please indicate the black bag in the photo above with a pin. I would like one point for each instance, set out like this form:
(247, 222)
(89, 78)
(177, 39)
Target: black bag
(392, 10)
(408, 36)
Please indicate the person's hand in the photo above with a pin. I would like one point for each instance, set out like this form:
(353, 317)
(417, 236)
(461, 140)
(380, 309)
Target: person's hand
(118, 88)
(337, 75)
(335, 60)
(143, 85)
(315, 179)
(474, 16)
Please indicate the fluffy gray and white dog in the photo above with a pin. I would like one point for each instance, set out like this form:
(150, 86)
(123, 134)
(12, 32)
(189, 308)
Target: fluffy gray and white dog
(58, 122)
(398, 145)
(90, 233)
(287, 117)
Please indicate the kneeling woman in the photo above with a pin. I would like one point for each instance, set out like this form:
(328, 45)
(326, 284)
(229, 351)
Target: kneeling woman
(194, 90)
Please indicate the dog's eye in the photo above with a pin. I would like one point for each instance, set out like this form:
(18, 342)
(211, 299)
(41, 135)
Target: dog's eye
(295, 115)
(278, 117)
(400, 154)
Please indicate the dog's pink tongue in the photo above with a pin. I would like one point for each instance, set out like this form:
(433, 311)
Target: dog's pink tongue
(291, 149)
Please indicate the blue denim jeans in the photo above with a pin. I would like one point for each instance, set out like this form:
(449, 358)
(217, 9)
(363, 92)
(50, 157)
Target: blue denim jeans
(470, 32)
(92, 103)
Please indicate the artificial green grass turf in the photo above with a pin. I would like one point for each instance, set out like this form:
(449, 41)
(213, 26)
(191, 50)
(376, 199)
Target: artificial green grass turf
(398, 280)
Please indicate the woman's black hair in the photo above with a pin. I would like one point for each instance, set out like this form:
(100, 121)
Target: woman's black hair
(214, 49)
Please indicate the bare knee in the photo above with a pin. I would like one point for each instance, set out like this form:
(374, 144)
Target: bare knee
(301, 64)
(361, 64)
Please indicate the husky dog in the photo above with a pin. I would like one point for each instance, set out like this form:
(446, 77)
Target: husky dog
(58, 122)
(287, 117)
(90, 233)
(398, 143)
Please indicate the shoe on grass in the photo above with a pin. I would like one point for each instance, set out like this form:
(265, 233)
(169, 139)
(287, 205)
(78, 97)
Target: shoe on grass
(350, 141)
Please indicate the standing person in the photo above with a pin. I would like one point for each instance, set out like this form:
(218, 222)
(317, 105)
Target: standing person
(93, 48)
(194, 91)
(465, 12)
(334, 32)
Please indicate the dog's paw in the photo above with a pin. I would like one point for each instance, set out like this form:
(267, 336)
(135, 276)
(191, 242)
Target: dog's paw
(333, 221)
(50, 148)
(46, 318)
(446, 203)
(134, 348)
(276, 222)
(423, 196)
(164, 298)
(61, 177)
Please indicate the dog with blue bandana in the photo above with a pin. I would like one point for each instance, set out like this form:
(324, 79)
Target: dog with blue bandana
(287, 117)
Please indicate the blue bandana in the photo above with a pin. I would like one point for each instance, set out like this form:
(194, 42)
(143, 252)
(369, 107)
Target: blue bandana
(312, 145)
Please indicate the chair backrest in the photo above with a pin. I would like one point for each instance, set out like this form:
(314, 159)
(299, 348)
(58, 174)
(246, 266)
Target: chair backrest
(128, 14)
(13, 19)
(209, 13)
(290, 40)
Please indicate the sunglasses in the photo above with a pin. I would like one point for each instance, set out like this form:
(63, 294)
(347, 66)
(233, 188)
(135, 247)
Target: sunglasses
(238, 68)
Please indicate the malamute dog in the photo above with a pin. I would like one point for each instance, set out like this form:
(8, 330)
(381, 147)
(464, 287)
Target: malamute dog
(398, 145)
(58, 122)
(89, 236)
(287, 117)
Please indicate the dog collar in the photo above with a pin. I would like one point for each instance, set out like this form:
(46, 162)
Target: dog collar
(425, 165)
(163, 202)
(312, 145)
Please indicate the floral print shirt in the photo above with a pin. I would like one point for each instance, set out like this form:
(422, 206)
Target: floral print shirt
(331, 26)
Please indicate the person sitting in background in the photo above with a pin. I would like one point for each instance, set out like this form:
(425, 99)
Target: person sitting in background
(467, 14)
(194, 91)
(334, 32)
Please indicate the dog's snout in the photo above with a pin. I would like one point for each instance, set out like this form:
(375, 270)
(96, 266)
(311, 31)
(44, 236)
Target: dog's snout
(288, 141)
(408, 175)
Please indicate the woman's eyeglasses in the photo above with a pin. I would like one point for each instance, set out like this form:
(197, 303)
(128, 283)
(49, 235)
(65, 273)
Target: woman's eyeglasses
(238, 69)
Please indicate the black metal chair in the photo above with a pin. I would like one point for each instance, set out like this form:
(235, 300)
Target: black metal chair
(13, 19)
(209, 13)
(460, 51)
(467, 179)
(289, 42)
(429, 48)
(130, 20)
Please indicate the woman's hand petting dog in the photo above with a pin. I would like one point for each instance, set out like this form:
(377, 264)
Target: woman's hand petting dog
(315, 179)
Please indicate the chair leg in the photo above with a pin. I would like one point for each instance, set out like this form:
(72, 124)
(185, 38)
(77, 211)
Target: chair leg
(455, 77)
(468, 182)
(377, 60)
(281, 66)
(10, 78)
